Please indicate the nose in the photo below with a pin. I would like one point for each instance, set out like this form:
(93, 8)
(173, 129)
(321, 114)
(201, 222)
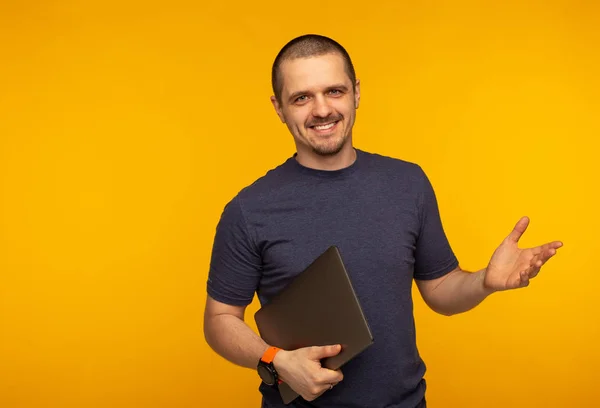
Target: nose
(321, 107)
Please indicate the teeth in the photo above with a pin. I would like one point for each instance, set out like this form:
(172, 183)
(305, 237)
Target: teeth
(324, 127)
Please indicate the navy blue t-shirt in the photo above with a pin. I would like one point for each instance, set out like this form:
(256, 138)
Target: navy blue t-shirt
(382, 214)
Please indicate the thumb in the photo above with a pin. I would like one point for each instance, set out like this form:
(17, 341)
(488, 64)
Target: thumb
(320, 352)
(518, 230)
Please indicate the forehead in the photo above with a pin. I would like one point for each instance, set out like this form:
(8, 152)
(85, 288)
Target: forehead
(303, 74)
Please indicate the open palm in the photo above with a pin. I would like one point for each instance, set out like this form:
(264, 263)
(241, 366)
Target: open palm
(512, 267)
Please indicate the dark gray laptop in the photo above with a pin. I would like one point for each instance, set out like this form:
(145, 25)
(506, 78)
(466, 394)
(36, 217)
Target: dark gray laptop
(318, 308)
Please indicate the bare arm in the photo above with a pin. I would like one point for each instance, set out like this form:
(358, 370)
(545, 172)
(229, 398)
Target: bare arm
(509, 268)
(456, 292)
(229, 336)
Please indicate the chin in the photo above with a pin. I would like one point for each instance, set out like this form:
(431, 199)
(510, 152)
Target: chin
(329, 149)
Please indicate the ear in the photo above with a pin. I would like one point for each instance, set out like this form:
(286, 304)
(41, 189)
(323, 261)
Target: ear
(357, 94)
(277, 109)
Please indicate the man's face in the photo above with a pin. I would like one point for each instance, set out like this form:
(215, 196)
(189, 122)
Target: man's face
(318, 103)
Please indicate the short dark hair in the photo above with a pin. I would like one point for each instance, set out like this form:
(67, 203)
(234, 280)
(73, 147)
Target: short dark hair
(305, 46)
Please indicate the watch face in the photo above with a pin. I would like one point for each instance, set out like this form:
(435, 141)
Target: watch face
(266, 375)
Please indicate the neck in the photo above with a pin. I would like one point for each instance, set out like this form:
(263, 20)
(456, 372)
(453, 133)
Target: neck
(344, 158)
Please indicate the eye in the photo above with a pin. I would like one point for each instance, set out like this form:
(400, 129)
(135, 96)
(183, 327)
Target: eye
(301, 98)
(335, 92)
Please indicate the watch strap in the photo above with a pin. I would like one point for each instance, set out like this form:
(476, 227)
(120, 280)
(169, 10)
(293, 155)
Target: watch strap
(269, 355)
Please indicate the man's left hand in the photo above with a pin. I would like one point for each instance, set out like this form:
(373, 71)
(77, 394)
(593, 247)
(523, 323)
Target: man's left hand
(512, 267)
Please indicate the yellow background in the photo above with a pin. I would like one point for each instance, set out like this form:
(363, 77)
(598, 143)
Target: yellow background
(126, 126)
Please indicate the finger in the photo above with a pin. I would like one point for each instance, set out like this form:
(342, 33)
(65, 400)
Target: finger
(551, 246)
(537, 262)
(540, 260)
(319, 352)
(326, 386)
(315, 393)
(523, 279)
(514, 282)
(336, 377)
(534, 272)
(518, 230)
(542, 257)
(536, 266)
(329, 376)
(325, 382)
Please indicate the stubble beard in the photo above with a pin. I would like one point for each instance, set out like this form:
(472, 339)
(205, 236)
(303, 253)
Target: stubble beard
(330, 149)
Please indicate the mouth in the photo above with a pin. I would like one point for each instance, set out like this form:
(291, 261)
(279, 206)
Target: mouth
(325, 128)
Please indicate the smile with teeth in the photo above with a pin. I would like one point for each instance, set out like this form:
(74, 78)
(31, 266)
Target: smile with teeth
(325, 127)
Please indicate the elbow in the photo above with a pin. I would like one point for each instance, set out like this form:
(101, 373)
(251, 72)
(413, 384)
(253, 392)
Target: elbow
(209, 332)
(441, 309)
(206, 334)
(447, 313)
(444, 312)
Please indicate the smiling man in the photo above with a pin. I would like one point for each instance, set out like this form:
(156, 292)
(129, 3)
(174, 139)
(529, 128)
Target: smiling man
(318, 104)
(381, 213)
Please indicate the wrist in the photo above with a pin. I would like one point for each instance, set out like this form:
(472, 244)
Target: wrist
(279, 362)
(486, 289)
(266, 366)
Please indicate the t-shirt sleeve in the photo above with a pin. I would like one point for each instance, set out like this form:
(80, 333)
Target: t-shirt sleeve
(235, 265)
(433, 255)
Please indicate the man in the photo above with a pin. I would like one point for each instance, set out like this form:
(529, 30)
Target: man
(383, 216)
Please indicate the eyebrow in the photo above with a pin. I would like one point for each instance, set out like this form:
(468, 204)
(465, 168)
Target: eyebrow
(329, 88)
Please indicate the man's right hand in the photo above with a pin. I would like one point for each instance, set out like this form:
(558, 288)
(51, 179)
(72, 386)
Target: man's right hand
(301, 369)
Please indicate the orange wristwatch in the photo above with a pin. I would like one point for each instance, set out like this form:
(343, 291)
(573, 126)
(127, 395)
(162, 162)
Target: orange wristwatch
(266, 369)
